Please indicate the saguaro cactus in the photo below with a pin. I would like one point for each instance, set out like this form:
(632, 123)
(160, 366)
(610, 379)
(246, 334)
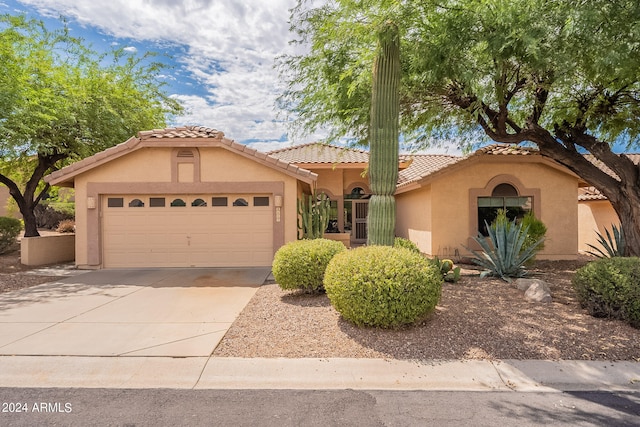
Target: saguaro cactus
(383, 134)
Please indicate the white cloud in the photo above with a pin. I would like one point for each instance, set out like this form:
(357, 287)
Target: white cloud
(130, 49)
(230, 48)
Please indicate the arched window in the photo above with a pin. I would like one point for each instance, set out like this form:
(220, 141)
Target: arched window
(136, 203)
(198, 203)
(178, 203)
(240, 202)
(503, 197)
(356, 193)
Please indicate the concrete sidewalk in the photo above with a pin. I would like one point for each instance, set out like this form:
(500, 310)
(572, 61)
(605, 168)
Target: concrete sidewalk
(317, 374)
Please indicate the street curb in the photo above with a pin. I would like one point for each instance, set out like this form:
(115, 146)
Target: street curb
(318, 374)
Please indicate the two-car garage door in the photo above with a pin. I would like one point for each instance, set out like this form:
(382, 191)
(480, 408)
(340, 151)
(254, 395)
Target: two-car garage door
(229, 230)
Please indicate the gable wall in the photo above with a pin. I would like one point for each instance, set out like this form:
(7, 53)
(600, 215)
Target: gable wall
(149, 171)
(555, 203)
(452, 200)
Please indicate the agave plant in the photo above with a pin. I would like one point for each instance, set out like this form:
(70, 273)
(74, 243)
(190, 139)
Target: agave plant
(613, 246)
(503, 255)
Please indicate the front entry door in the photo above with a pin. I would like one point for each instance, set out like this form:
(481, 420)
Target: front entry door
(359, 232)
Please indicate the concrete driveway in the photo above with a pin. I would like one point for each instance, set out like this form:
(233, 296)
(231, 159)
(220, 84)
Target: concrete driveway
(141, 312)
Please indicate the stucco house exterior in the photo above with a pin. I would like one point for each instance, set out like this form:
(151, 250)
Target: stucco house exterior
(192, 197)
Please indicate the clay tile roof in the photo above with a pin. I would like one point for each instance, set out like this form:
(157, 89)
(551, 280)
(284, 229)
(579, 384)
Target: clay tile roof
(146, 138)
(182, 132)
(423, 165)
(506, 150)
(590, 193)
(316, 152)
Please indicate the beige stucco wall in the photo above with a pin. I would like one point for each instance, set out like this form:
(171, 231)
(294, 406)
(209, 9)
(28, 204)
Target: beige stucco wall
(45, 250)
(452, 196)
(413, 218)
(152, 167)
(594, 216)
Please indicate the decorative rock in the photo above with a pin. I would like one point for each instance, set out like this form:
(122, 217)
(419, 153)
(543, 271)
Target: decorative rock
(538, 292)
(523, 284)
(535, 289)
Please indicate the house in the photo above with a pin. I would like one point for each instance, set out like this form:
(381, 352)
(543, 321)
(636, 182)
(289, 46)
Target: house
(192, 197)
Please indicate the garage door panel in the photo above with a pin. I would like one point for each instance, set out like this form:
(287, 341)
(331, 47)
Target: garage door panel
(206, 236)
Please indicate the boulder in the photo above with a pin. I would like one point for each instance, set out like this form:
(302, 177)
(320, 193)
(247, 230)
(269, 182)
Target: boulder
(538, 292)
(534, 289)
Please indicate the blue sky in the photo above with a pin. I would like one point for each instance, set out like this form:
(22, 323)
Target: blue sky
(221, 54)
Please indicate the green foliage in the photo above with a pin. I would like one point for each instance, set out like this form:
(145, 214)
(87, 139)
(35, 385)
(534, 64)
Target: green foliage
(401, 242)
(302, 264)
(449, 272)
(610, 287)
(503, 255)
(62, 101)
(383, 137)
(313, 215)
(536, 230)
(9, 231)
(382, 286)
(560, 74)
(613, 246)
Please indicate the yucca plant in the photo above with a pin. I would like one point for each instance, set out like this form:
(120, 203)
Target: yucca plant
(613, 246)
(503, 254)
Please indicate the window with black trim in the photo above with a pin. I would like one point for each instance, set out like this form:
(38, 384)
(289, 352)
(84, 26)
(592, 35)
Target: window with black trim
(136, 203)
(115, 202)
(219, 201)
(240, 202)
(260, 201)
(198, 203)
(503, 197)
(178, 203)
(157, 202)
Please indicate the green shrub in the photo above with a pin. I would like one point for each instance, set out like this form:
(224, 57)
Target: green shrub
(610, 287)
(9, 230)
(301, 264)
(536, 230)
(401, 242)
(382, 286)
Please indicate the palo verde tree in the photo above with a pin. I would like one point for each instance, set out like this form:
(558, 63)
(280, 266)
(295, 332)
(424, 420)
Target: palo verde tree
(62, 101)
(561, 74)
(383, 137)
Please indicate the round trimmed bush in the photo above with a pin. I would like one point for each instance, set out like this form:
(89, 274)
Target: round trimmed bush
(382, 286)
(9, 230)
(301, 264)
(610, 287)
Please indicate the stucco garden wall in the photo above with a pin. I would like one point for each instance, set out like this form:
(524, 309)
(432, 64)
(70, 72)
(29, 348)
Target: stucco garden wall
(44, 250)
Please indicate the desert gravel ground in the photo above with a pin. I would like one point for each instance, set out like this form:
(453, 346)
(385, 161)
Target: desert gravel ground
(475, 319)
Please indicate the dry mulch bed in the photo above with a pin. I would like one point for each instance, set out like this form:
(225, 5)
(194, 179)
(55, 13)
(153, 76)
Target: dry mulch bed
(476, 319)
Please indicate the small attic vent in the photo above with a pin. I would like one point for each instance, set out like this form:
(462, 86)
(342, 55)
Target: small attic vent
(185, 153)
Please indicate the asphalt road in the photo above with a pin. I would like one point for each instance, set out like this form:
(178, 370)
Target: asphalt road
(165, 407)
